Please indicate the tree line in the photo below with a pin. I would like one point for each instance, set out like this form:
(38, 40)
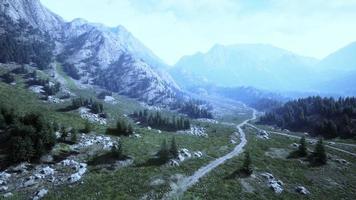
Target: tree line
(94, 106)
(326, 117)
(158, 121)
(193, 108)
(123, 128)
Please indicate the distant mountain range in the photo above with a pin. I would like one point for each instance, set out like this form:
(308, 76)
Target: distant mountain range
(267, 67)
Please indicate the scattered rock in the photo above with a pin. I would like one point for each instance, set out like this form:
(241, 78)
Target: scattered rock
(263, 134)
(40, 194)
(86, 114)
(302, 190)
(275, 184)
(196, 131)
(52, 99)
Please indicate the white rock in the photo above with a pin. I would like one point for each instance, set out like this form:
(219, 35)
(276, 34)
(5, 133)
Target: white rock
(30, 182)
(173, 163)
(137, 135)
(198, 154)
(7, 195)
(40, 194)
(47, 171)
(74, 177)
(149, 128)
(302, 190)
(3, 188)
(233, 141)
(275, 185)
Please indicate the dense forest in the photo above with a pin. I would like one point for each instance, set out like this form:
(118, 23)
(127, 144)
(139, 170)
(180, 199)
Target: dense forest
(23, 44)
(159, 121)
(326, 117)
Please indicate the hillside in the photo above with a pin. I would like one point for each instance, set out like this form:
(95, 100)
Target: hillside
(90, 53)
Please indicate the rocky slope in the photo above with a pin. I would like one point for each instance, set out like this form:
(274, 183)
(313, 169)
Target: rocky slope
(109, 57)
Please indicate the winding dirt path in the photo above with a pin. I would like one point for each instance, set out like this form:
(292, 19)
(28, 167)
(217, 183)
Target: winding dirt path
(184, 184)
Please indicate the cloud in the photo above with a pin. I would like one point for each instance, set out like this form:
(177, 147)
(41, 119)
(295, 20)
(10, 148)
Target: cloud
(173, 28)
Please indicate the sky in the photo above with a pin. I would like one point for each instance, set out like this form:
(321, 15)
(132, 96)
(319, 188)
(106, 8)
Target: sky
(174, 28)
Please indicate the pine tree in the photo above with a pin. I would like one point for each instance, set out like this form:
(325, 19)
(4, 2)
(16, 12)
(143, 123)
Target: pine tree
(73, 136)
(163, 153)
(319, 154)
(302, 149)
(116, 151)
(87, 127)
(174, 148)
(246, 167)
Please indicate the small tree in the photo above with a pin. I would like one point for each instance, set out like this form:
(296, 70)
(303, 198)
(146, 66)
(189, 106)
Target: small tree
(319, 155)
(246, 167)
(87, 127)
(163, 153)
(174, 148)
(116, 151)
(302, 149)
(73, 135)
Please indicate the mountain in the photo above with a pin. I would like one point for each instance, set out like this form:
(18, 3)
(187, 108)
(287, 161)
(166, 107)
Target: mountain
(256, 65)
(338, 71)
(91, 53)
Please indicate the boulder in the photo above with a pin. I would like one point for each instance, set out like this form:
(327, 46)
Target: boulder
(342, 161)
(3, 188)
(7, 195)
(47, 171)
(40, 194)
(30, 182)
(74, 177)
(198, 154)
(276, 186)
(233, 141)
(173, 163)
(302, 190)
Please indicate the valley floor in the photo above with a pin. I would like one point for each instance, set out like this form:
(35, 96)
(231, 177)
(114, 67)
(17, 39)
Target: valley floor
(206, 177)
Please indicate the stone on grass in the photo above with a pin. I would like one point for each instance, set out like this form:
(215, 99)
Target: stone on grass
(40, 194)
(302, 190)
(7, 195)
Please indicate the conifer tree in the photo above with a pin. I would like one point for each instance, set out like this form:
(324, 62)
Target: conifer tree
(319, 155)
(302, 149)
(246, 167)
(174, 148)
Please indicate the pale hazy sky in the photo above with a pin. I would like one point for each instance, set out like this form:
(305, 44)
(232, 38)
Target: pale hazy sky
(174, 28)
